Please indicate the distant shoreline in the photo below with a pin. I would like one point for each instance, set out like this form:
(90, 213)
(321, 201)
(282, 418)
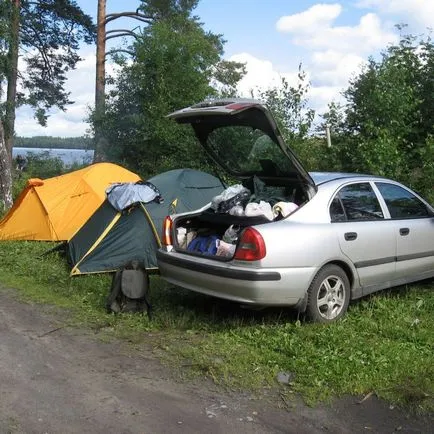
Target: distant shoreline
(51, 142)
(68, 156)
(52, 147)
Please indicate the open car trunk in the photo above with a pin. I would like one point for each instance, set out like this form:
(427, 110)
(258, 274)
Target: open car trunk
(216, 231)
(212, 235)
(243, 138)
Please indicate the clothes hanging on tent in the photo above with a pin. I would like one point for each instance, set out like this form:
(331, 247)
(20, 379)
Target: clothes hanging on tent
(123, 195)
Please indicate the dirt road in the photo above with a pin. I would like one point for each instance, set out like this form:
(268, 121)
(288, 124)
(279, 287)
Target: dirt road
(55, 379)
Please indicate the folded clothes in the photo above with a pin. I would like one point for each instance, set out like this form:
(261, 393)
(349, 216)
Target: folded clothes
(225, 249)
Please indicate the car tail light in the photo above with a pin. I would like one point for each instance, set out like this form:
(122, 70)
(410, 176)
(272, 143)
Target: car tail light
(167, 231)
(251, 246)
(239, 106)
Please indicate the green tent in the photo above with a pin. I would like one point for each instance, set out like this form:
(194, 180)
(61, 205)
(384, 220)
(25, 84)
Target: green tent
(111, 238)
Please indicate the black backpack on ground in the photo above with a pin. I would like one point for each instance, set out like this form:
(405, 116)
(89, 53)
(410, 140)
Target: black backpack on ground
(129, 290)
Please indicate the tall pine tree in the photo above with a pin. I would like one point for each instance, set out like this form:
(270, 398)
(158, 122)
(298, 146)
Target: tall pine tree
(47, 34)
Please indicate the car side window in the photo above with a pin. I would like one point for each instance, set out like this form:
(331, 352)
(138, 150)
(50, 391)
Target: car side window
(401, 203)
(355, 202)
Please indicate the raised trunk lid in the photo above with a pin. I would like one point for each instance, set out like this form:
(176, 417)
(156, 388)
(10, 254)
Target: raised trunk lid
(242, 137)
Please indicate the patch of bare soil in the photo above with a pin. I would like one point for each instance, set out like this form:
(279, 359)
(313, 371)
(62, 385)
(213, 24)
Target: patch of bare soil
(55, 379)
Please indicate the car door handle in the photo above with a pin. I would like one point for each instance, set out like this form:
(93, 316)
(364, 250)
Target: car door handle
(404, 231)
(350, 236)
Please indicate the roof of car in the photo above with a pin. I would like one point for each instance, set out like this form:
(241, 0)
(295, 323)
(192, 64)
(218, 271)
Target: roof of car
(322, 177)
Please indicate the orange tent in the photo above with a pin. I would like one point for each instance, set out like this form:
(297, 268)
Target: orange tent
(54, 209)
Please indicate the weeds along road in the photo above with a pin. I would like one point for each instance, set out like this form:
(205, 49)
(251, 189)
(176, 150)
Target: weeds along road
(55, 379)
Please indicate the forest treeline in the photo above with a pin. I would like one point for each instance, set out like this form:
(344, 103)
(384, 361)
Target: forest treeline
(53, 142)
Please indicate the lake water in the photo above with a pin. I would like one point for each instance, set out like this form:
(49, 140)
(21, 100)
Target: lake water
(68, 156)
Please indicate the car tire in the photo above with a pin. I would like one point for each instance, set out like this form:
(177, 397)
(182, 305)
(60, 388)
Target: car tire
(328, 295)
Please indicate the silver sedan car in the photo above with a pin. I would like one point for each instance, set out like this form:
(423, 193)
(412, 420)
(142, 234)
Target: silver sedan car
(280, 236)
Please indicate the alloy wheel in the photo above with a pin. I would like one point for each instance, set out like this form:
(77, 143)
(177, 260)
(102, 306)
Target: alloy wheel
(331, 297)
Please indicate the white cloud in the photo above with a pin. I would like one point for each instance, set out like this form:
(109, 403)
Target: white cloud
(260, 75)
(321, 96)
(334, 53)
(81, 81)
(334, 68)
(81, 85)
(415, 11)
(59, 124)
(313, 33)
(314, 18)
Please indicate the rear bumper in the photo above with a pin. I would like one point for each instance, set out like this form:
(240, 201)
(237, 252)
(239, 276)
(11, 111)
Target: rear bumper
(244, 285)
(215, 270)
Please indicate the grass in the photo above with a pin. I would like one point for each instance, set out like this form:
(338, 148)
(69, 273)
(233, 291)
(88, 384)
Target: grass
(384, 345)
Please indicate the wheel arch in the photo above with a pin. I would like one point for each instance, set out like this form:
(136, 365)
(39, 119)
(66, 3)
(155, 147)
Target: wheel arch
(356, 290)
(347, 269)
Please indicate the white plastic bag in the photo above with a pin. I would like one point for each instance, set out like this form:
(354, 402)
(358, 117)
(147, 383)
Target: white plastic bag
(181, 235)
(262, 208)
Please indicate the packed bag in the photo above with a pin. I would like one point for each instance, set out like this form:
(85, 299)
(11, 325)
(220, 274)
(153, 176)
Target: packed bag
(129, 291)
(236, 195)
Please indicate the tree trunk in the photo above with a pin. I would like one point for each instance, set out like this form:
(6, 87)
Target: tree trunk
(100, 140)
(5, 175)
(11, 97)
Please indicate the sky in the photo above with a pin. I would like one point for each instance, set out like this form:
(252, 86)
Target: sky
(330, 39)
